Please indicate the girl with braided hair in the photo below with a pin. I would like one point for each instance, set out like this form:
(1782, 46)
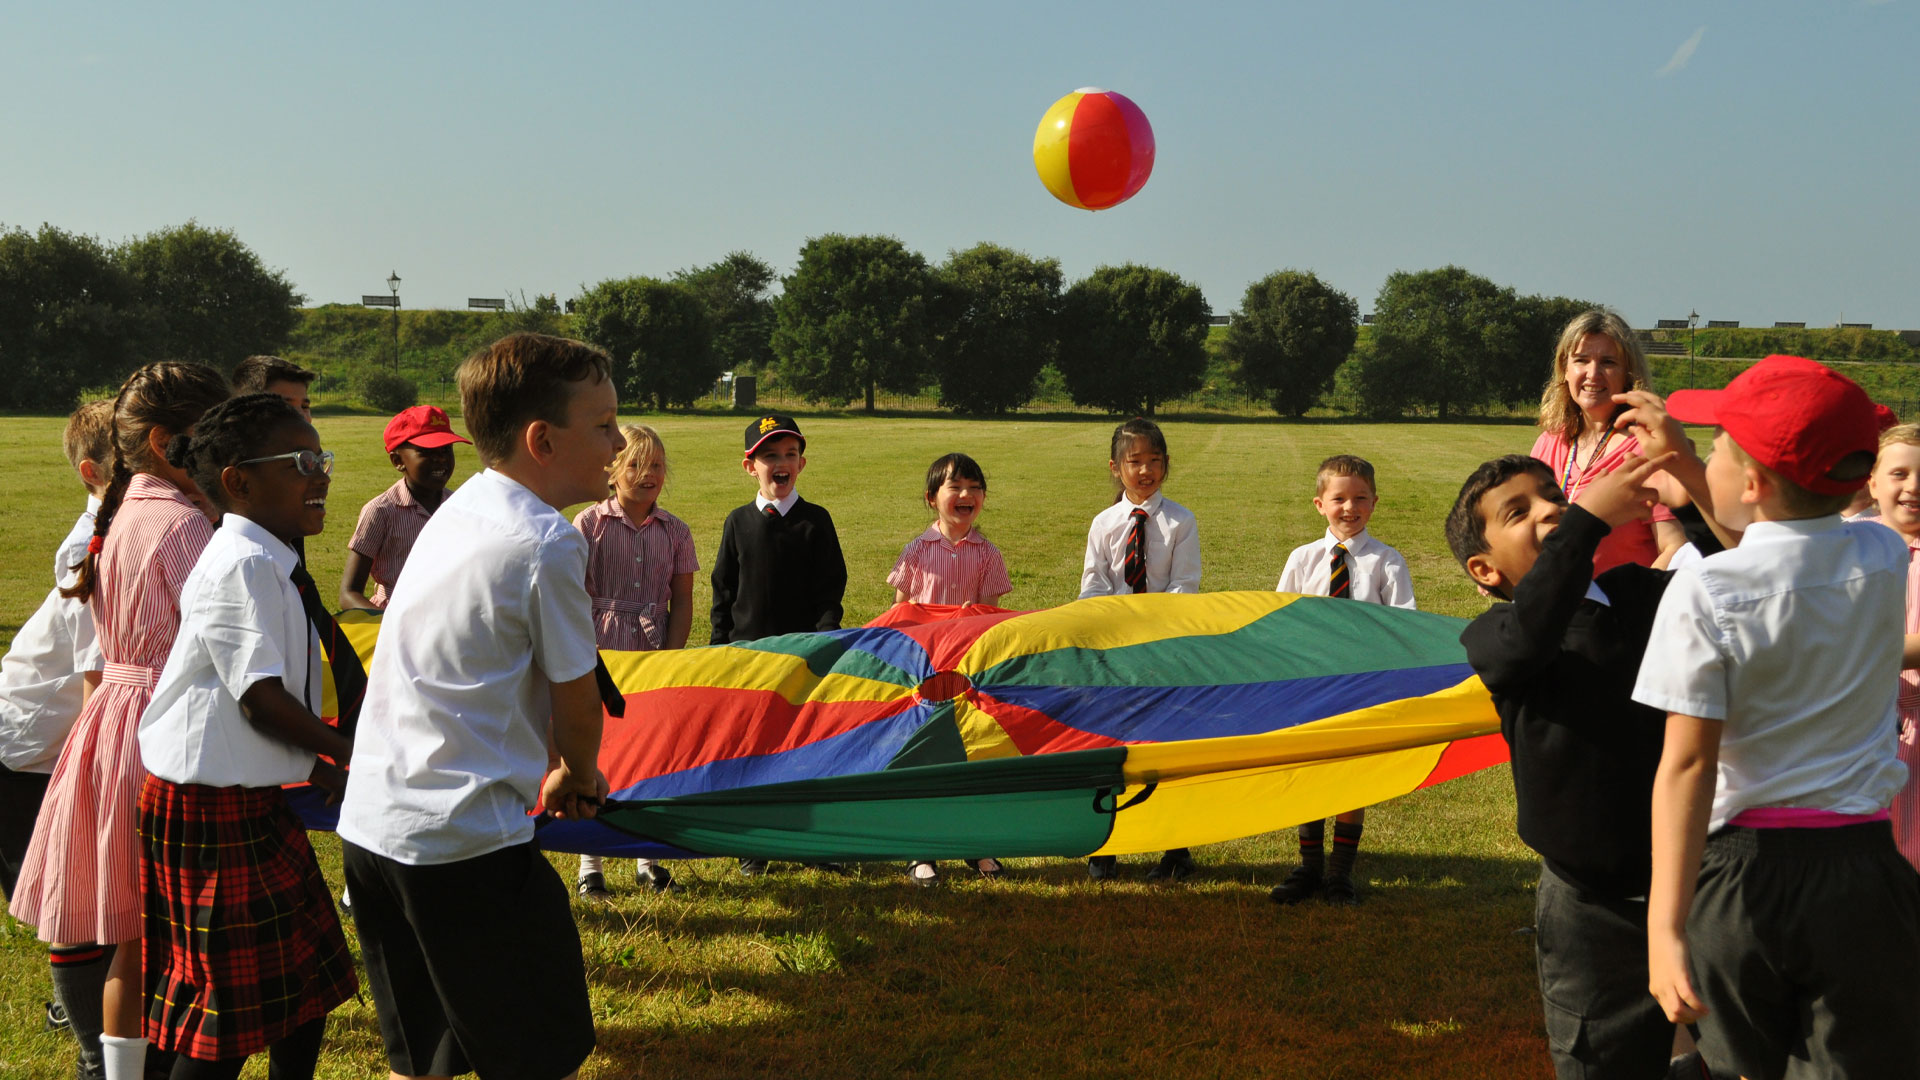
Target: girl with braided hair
(80, 881)
(233, 718)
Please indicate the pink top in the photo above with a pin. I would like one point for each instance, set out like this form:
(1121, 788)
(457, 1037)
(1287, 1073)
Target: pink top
(935, 570)
(1632, 542)
(389, 524)
(630, 571)
(1910, 677)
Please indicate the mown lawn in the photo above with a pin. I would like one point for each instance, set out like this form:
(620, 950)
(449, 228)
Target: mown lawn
(1044, 973)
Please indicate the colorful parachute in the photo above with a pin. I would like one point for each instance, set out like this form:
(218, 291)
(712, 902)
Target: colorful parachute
(1108, 725)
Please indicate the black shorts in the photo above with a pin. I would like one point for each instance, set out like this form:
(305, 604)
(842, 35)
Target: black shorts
(1806, 949)
(20, 796)
(474, 965)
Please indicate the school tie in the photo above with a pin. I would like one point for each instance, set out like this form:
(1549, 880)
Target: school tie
(770, 510)
(349, 677)
(1338, 583)
(1134, 568)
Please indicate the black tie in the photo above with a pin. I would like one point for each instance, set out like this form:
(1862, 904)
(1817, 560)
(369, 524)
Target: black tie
(349, 677)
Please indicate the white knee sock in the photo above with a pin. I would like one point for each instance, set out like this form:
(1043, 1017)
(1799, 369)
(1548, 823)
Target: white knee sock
(589, 864)
(126, 1059)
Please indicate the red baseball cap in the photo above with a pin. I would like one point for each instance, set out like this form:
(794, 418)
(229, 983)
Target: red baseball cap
(1796, 417)
(425, 426)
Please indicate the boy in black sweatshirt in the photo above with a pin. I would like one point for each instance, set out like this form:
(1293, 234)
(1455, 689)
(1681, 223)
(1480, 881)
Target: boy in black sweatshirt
(779, 570)
(1560, 659)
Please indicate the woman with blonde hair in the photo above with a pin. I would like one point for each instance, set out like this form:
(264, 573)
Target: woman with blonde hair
(1597, 358)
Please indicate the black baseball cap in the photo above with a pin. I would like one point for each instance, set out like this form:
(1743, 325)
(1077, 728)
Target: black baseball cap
(769, 426)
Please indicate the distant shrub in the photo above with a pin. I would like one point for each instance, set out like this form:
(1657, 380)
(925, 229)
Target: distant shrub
(385, 391)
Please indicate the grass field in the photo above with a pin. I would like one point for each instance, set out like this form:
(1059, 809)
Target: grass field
(1042, 973)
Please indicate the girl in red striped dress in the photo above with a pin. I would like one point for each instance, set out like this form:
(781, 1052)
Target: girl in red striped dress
(951, 563)
(640, 567)
(80, 882)
(243, 950)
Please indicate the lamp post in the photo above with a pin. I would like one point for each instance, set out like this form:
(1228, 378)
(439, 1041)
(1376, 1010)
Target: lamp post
(393, 286)
(1692, 319)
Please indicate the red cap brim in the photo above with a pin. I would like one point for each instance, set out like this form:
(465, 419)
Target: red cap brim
(1695, 406)
(774, 434)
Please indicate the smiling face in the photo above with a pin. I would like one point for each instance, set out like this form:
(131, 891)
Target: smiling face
(1896, 487)
(775, 466)
(1595, 372)
(637, 483)
(582, 450)
(1518, 516)
(427, 470)
(957, 504)
(1347, 503)
(1141, 470)
(275, 495)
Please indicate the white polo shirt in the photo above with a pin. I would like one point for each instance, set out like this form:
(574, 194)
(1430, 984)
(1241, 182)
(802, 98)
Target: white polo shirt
(1793, 640)
(240, 622)
(1376, 573)
(452, 743)
(1172, 549)
(40, 677)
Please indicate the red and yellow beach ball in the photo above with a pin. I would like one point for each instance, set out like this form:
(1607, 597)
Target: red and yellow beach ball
(1094, 149)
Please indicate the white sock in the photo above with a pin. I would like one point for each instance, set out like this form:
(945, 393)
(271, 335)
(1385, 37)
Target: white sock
(589, 864)
(126, 1059)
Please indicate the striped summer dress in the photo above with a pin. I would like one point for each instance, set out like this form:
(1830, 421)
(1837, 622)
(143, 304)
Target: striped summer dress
(630, 572)
(1906, 805)
(934, 570)
(81, 878)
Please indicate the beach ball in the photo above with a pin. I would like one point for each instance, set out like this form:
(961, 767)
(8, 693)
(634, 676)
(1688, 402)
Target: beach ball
(1093, 149)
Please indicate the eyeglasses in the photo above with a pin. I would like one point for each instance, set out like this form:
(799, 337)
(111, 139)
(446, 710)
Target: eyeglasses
(307, 461)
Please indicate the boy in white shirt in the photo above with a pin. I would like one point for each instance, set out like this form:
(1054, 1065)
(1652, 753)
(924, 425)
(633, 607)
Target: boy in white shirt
(1346, 562)
(1781, 916)
(43, 681)
(466, 930)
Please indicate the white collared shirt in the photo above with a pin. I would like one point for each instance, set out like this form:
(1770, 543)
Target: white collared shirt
(1793, 641)
(40, 685)
(74, 547)
(761, 502)
(1172, 549)
(1376, 573)
(240, 622)
(452, 743)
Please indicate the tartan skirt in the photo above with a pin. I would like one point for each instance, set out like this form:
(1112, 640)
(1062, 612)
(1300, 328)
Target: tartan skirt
(241, 943)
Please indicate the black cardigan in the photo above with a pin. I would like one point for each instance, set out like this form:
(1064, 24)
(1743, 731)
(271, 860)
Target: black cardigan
(1561, 668)
(777, 575)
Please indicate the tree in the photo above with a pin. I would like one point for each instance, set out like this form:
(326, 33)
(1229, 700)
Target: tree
(69, 321)
(658, 335)
(854, 317)
(734, 292)
(1527, 360)
(1132, 337)
(1292, 333)
(1443, 339)
(208, 296)
(998, 314)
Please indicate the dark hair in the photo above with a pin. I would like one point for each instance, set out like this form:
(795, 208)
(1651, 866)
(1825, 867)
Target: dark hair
(1466, 524)
(230, 432)
(1126, 435)
(254, 374)
(953, 466)
(1344, 465)
(521, 378)
(170, 396)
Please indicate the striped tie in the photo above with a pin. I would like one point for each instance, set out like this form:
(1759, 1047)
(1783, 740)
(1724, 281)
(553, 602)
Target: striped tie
(1338, 583)
(770, 510)
(1134, 569)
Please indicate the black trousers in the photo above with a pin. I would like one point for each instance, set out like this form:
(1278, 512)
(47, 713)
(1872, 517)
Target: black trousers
(20, 797)
(1602, 1023)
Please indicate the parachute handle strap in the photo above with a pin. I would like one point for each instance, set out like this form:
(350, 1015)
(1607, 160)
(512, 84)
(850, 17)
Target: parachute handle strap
(1103, 799)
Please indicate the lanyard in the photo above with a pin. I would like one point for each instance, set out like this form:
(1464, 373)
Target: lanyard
(1573, 454)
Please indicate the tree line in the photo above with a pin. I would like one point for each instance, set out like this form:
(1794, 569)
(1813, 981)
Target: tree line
(858, 316)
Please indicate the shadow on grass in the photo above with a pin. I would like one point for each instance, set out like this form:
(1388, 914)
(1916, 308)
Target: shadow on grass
(1044, 973)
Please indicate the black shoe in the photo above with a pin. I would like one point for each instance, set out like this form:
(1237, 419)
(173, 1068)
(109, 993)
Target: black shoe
(346, 904)
(658, 878)
(56, 1017)
(1300, 885)
(923, 874)
(987, 868)
(593, 886)
(829, 868)
(1173, 866)
(753, 867)
(1339, 891)
(1103, 867)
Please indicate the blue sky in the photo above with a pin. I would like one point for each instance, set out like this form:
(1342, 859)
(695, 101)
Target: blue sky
(1751, 160)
